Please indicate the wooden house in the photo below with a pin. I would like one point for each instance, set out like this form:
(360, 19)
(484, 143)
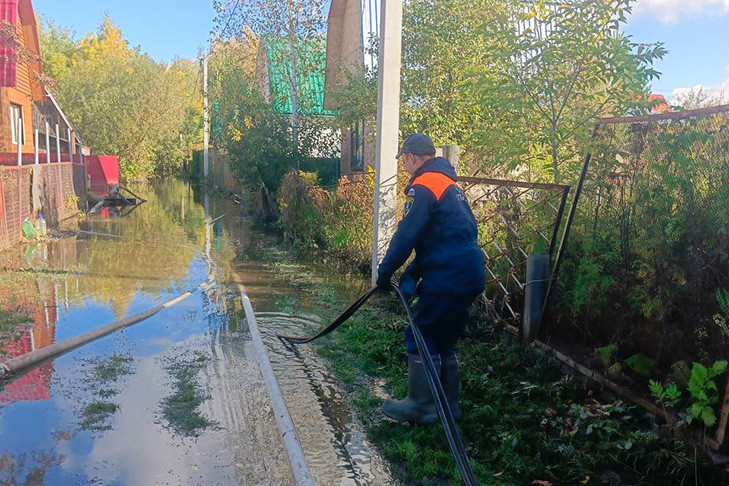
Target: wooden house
(352, 27)
(30, 118)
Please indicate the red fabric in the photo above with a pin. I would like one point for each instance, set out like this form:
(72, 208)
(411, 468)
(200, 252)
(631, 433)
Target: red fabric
(104, 172)
(8, 66)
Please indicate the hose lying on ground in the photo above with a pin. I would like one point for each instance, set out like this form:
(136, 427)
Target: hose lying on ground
(436, 388)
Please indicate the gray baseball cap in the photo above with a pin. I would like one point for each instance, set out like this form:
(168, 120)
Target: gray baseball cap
(417, 144)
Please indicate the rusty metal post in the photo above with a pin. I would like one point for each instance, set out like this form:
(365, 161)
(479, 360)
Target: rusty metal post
(570, 219)
(723, 418)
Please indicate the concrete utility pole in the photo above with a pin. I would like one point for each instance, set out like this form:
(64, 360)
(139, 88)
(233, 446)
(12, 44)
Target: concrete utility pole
(388, 124)
(206, 118)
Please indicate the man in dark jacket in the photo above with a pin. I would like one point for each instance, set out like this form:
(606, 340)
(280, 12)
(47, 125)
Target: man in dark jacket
(440, 227)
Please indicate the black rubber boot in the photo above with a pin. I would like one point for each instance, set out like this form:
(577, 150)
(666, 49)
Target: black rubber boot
(450, 377)
(418, 406)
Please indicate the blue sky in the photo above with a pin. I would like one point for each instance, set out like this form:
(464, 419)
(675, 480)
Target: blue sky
(696, 32)
(164, 28)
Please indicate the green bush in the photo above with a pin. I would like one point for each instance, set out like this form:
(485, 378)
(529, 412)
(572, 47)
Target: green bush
(338, 220)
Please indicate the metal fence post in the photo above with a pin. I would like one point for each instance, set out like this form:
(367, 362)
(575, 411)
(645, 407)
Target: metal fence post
(537, 278)
(58, 143)
(48, 143)
(35, 156)
(19, 139)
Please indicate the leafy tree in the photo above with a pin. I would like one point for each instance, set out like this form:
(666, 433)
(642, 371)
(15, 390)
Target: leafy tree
(122, 101)
(441, 49)
(294, 20)
(483, 74)
(245, 125)
(550, 69)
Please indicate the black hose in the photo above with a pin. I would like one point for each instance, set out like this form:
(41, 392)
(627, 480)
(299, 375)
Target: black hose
(337, 322)
(441, 402)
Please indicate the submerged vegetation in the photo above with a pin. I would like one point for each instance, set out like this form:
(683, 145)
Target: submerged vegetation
(103, 382)
(180, 410)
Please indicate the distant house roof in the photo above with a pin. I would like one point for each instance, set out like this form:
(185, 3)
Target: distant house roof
(659, 103)
(274, 68)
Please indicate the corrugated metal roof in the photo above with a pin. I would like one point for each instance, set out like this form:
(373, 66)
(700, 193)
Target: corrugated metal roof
(312, 62)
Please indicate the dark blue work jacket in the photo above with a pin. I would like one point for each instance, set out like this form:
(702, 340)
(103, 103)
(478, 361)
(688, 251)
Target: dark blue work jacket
(440, 227)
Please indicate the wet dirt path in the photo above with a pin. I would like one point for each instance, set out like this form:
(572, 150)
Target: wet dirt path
(179, 398)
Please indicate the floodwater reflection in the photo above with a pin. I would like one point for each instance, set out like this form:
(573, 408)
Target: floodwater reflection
(177, 399)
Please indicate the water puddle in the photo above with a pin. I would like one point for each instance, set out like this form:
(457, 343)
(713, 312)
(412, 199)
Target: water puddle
(179, 398)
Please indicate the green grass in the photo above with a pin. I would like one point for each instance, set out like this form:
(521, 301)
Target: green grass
(96, 414)
(103, 382)
(180, 409)
(113, 368)
(524, 420)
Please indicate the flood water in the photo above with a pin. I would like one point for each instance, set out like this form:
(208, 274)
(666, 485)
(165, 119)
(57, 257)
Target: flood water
(178, 398)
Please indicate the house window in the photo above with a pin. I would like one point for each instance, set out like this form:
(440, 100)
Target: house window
(357, 147)
(16, 113)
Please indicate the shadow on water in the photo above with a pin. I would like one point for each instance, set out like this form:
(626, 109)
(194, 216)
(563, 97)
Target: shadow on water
(177, 399)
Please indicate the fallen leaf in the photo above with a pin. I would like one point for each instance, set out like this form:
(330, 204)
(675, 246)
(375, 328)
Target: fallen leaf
(539, 482)
(586, 480)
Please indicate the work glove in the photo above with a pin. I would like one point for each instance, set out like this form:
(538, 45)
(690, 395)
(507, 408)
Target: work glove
(383, 283)
(408, 285)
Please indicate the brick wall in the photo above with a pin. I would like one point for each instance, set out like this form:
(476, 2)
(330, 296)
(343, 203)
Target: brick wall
(58, 192)
(15, 203)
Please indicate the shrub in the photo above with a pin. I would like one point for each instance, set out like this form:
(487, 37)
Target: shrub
(339, 220)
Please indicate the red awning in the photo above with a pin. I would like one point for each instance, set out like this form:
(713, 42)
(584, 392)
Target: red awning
(8, 65)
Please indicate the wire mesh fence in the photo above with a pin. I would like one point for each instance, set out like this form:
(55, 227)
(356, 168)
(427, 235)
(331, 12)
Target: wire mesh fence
(645, 274)
(514, 220)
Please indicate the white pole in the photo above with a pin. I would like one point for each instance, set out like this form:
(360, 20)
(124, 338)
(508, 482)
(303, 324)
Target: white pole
(19, 139)
(37, 142)
(48, 143)
(206, 119)
(388, 123)
(70, 146)
(58, 143)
